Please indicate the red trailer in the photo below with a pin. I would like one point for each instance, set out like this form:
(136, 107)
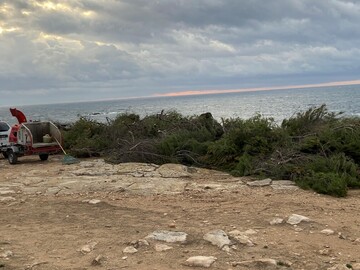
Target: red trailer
(29, 138)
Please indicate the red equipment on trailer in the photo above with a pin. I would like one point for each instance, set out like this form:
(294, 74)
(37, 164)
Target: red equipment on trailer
(28, 138)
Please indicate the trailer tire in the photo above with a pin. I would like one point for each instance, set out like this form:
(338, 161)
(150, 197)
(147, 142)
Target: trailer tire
(12, 157)
(44, 157)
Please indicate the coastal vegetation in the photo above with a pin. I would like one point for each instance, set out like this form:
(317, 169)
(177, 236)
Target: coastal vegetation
(318, 149)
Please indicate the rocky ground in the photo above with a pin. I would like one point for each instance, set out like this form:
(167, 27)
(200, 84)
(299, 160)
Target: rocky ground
(94, 215)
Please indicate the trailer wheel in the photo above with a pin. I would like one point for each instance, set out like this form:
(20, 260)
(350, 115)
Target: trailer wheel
(12, 157)
(44, 157)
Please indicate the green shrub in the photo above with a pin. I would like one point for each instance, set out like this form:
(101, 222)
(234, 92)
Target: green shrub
(343, 136)
(309, 121)
(329, 175)
(222, 154)
(185, 146)
(255, 136)
(86, 138)
(242, 140)
(244, 166)
(326, 183)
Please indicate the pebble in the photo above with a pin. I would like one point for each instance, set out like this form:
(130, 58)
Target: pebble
(168, 236)
(242, 238)
(264, 261)
(295, 219)
(88, 247)
(201, 261)
(139, 243)
(276, 221)
(226, 248)
(327, 232)
(94, 201)
(53, 190)
(130, 250)
(324, 252)
(250, 232)
(6, 254)
(217, 238)
(162, 247)
(97, 260)
(172, 225)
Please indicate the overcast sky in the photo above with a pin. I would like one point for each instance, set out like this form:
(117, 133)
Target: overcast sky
(71, 50)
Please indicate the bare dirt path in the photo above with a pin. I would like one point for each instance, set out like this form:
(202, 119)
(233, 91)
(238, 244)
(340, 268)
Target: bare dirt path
(84, 216)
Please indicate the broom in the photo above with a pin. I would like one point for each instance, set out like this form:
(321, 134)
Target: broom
(67, 158)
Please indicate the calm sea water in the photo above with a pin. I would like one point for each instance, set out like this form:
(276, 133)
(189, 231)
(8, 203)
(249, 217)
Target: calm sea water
(278, 104)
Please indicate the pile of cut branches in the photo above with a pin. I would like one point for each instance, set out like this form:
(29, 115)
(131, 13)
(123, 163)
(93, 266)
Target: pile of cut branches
(318, 149)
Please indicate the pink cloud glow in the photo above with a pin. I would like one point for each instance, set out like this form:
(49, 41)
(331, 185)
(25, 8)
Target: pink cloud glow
(207, 92)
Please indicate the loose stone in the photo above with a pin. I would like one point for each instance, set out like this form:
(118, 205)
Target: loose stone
(295, 219)
(276, 221)
(94, 201)
(250, 232)
(327, 232)
(259, 262)
(242, 238)
(130, 250)
(172, 225)
(226, 248)
(201, 261)
(6, 254)
(217, 238)
(162, 247)
(168, 236)
(88, 247)
(97, 260)
(324, 252)
(139, 243)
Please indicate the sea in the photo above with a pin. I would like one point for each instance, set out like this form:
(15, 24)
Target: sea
(278, 104)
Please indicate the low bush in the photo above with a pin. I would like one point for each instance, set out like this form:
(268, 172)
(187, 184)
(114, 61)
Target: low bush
(326, 183)
(85, 138)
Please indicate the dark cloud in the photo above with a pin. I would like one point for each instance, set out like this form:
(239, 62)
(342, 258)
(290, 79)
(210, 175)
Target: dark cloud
(139, 47)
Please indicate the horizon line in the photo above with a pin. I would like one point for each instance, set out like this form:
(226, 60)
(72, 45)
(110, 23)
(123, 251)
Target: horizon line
(253, 89)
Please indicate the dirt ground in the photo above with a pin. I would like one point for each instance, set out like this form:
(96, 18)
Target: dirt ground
(47, 230)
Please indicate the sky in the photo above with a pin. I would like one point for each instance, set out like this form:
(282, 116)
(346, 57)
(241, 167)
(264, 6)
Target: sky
(78, 50)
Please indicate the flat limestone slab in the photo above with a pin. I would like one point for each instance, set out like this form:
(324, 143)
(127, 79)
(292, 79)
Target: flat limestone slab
(260, 183)
(137, 178)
